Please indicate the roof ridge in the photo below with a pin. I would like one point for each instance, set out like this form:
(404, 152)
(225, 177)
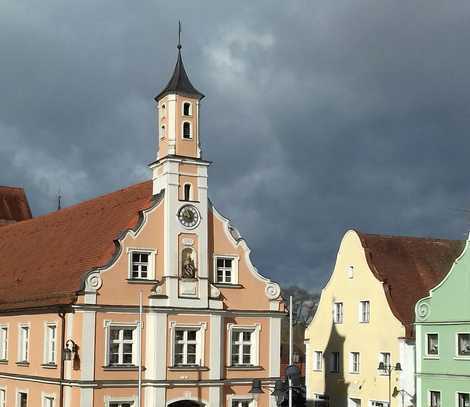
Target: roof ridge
(71, 207)
(430, 238)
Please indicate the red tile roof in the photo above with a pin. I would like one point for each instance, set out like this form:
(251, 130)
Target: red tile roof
(43, 260)
(409, 267)
(14, 205)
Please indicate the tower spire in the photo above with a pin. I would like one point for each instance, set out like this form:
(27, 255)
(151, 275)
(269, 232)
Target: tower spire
(179, 35)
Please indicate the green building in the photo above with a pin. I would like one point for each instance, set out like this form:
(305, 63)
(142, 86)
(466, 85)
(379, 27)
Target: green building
(443, 339)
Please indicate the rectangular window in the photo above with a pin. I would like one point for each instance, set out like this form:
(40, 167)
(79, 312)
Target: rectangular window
(334, 362)
(317, 360)
(121, 404)
(24, 344)
(140, 265)
(224, 270)
(354, 362)
(186, 347)
(364, 315)
(22, 399)
(338, 312)
(51, 344)
(463, 344)
(3, 344)
(121, 346)
(384, 358)
(375, 403)
(241, 403)
(48, 401)
(432, 344)
(242, 347)
(463, 399)
(435, 398)
(2, 398)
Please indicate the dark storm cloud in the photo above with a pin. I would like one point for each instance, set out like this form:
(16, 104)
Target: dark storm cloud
(319, 116)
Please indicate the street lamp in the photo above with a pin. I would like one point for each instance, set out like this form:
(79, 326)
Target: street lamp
(256, 389)
(70, 350)
(388, 368)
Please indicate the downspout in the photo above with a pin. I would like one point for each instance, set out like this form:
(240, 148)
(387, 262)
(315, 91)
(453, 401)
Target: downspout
(62, 347)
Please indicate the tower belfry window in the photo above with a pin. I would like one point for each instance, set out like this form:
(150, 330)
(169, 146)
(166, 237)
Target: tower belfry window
(187, 109)
(187, 192)
(187, 130)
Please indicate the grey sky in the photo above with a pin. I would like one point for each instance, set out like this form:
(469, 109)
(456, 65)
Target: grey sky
(319, 116)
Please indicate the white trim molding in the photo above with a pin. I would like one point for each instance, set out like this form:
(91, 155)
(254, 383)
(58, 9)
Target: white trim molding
(235, 397)
(254, 357)
(4, 336)
(24, 350)
(49, 356)
(128, 399)
(50, 396)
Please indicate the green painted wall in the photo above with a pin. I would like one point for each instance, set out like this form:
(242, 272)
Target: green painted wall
(445, 312)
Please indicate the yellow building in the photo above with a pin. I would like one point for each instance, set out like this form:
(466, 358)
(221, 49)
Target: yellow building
(365, 317)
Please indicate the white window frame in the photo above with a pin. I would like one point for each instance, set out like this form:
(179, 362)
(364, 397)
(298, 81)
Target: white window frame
(382, 358)
(350, 271)
(4, 332)
(234, 273)
(108, 400)
(50, 350)
(362, 314)
(107, 342)
(317, 360)
(460, 392)
(354, 367)
(3, 391)
(18, 392)
(426, 349)
(162, 131)
(24, 347)
(233, 398)
(190, 108)
(457, 355)
(338, 317)
(190, 130)
(45, 396)
(430, 399)
(151, 264)
(256, 329)
(200, 341)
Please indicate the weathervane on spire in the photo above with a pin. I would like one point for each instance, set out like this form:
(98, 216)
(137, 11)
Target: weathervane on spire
(179, 34)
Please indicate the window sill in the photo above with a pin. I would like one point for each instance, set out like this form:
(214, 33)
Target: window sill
(22, 364)
(124, 368)
(142, 281)
(228, 285)
(431, 357)
(354, 372)
(4, 362)
(364, 322)
(247, 367)
(188, 367)
(49, 366)
(461, 357)
(317, 370)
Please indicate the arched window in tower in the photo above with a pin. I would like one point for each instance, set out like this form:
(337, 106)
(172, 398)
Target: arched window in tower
(187, 130)
(187, 192)
(188, 263)
(162, 131)
(187, 109)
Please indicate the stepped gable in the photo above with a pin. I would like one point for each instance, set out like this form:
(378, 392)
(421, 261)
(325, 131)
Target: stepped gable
(43, 260)
(14, 206)
(409, 267)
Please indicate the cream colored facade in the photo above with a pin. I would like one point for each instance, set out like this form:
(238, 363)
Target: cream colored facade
(192, 318)
(360, 383)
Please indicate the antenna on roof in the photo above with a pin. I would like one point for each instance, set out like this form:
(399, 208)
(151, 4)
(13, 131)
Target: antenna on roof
(179, 35)
(59, 200)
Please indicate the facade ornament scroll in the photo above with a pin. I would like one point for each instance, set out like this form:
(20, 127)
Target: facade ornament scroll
(93, 282)
(272, 290)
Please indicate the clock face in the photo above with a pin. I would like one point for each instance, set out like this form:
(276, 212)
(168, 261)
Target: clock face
(189, 216)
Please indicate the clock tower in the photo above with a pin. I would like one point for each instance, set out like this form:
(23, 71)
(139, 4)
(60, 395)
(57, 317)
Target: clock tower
(181, 173)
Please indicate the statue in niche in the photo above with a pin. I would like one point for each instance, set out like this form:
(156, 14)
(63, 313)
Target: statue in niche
(188, 266)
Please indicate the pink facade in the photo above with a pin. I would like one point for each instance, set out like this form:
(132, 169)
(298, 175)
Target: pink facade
(209, 325)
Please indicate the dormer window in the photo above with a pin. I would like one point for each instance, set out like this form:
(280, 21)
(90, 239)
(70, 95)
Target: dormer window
(186, 109)
(187, 192)
(187, 131)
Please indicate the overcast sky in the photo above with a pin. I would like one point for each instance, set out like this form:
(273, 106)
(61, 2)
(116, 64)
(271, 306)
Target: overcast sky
(320, 116)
